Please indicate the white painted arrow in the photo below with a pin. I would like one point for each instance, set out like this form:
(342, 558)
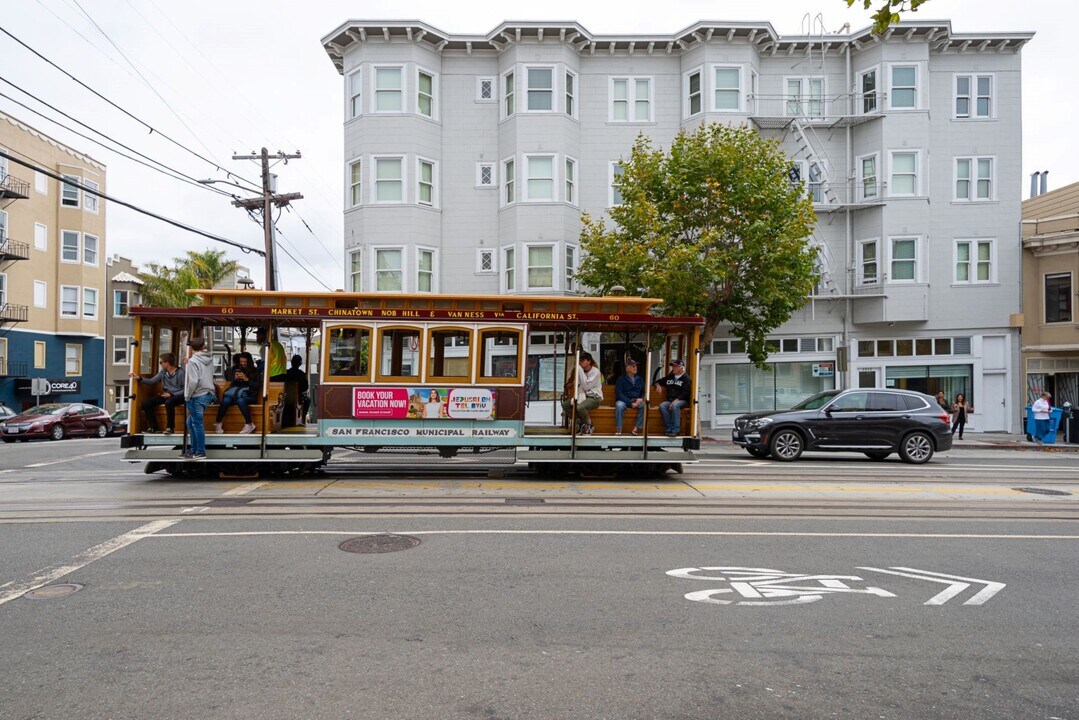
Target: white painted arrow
(956, 584)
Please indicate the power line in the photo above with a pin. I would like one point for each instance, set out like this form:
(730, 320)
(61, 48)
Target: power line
(302, 266)
(175, 223)
(321, 244)
(182, 177)
(131, 115)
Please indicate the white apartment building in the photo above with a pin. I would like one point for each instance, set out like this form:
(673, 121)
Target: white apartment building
(470, 158)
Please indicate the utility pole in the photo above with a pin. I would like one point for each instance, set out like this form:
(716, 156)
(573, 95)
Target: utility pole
(269, 198)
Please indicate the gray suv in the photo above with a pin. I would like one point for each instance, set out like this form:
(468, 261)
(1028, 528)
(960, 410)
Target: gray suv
(877, 422)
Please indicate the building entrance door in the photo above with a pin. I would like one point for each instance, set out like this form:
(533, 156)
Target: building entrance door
(992, 406)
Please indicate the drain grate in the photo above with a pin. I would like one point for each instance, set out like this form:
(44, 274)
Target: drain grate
(1042, 491)
(525, 501)
(48, 592)
(371, 544)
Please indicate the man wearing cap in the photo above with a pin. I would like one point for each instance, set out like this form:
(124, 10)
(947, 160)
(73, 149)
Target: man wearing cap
(629, 393)
(676, 387)
(1041, 417)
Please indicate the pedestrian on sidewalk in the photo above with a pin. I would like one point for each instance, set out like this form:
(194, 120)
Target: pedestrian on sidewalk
(943, 402)
(959, 414)
(1041, 417)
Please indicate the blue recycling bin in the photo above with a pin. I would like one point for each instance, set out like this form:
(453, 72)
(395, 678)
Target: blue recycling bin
(1050, 438)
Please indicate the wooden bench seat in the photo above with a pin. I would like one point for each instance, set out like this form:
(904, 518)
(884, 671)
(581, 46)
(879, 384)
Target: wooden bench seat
(603, 416)
(234, 421)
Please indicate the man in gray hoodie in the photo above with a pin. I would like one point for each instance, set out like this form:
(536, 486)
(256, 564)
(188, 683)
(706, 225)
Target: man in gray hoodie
(171, 378)
(200, 393)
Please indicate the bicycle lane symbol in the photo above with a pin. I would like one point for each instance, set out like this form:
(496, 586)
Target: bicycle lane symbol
(764, 586)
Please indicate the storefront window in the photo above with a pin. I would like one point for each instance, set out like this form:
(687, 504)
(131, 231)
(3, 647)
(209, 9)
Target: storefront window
(931, 379)
(747, 388)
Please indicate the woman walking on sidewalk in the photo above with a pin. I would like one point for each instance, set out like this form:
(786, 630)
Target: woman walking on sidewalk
(959, 414)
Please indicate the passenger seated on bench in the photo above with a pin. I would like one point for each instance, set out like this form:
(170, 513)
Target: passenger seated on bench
(295, 375)
(629, 393)
(171, 378)
(246, 382)
(677, 387)
(589, 393)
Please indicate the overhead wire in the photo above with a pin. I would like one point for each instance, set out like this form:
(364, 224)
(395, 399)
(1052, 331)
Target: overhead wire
(39, 167)
(303, 266)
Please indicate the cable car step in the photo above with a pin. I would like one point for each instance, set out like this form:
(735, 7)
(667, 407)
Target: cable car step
(614, 457)
(227, 455)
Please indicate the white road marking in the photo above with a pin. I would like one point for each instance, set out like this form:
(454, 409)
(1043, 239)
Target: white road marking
(77, 457)
(660, 533)
(244, 489)
(956, 584)
(54, 573)
(195, 508)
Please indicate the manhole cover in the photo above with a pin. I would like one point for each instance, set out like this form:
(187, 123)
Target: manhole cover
(379, 544)
(48, 592)
(1042, 491)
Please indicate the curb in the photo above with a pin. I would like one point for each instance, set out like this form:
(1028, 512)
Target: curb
(1015, 447)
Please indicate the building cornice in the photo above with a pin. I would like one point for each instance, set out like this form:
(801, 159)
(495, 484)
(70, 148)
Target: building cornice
(354, 33)
(83, 157)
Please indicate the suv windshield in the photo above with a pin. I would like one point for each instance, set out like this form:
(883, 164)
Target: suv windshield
(817, 401)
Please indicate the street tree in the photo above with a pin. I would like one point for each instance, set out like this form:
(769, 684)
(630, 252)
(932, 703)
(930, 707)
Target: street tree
(714, 226)
(888, 12)
(167, 285)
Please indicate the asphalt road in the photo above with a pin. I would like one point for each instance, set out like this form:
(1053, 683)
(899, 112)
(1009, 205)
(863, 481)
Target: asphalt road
(532, 598)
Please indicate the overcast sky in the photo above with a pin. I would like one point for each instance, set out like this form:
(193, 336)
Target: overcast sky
(234, 76)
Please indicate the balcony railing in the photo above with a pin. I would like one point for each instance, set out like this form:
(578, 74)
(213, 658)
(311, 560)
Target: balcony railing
(12, 188)
(12, 250)
(835, 197)
(13, 368)
(779, 111)
(13, 313)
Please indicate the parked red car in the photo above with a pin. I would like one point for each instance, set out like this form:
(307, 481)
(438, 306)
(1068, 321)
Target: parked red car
(57, 421)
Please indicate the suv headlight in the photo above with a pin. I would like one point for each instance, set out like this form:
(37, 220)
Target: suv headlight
(758, 423)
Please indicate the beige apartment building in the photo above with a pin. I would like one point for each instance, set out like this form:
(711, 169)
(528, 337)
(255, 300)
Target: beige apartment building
(52, 269)
(1050, 266)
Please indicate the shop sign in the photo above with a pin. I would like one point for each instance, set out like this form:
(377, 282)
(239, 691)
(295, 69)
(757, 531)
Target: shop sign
(824, 369)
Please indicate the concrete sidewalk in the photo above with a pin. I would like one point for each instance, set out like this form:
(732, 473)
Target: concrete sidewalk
(972, 441)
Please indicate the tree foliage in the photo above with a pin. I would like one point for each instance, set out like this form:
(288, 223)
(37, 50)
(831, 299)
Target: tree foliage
(714, 227)
(888, 12)
(167, 285)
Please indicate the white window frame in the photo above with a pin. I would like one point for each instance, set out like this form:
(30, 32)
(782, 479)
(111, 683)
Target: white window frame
(402, 92)
(553, 179)
(434, 92)
(67, 359)
(121, 344)
(917, 172)
(570, 267)
(90, 202)
(631, 98)
(41, 294)
(434, 181)
(974, 179)
(805, 96)
(420, 249)
(354, 94)
(88, 292)
(4, 235)
(127, 301)
(687, 99)
(3, 289)
(78, 247)
(494, 89)
(973, 96)
(480, 252)
(41, 237)
(570, 90)
(917, 85)
(714, 88)
(508, 186)
(78, 301)
(64, 202)
(403, 180)
(877, 185)
(352, 185)
(528, 247)
(507, 96)
(493, 175)
(96, 250)
(44, 348)
(41, 183)
(973, 262)
(554, 89)
(861, 94)
(571, 181)
(355, 276)
(509, 279)
(860, 260)
(403, 270)
(892, 239)
(611, 165)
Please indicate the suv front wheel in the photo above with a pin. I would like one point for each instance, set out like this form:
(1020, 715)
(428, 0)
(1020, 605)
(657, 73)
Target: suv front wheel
(787, 445)
(916, 448)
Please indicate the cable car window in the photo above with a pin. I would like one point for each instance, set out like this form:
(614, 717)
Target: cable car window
(350, 352)
(449, 355)
(501, 351)
(399, 353)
